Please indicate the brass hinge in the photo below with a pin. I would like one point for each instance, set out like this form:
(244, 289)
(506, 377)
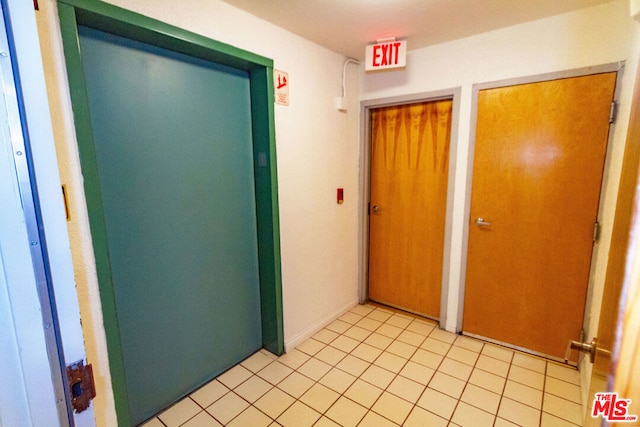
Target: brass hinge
(596, 232)
(613, 113)
(81, 386)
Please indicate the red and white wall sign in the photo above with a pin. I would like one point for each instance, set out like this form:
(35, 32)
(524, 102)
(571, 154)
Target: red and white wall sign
(385, 55)
(281, 86)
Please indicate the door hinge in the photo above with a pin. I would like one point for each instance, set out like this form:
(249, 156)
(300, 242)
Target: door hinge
(596, 232)
(613, 113)
(82, 389)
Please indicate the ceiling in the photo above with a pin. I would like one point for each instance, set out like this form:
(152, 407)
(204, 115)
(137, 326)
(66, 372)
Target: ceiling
(347, 26)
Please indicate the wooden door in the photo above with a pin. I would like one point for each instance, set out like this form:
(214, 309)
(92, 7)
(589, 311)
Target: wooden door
(539, 158)
(409, 169)
(173, 150)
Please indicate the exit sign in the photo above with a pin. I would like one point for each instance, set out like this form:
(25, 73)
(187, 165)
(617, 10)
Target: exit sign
(385, 55)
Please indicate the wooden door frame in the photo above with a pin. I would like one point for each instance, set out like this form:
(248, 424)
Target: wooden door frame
(538, 78)
(122, 22)
(366, 108)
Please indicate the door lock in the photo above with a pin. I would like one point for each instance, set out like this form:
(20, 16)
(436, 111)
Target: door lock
(375, 209)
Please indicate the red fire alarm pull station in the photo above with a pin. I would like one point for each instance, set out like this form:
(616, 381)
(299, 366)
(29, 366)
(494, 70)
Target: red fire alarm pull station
(340, 196)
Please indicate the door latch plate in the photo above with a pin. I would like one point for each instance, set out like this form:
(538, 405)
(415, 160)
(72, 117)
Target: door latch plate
(81, 386)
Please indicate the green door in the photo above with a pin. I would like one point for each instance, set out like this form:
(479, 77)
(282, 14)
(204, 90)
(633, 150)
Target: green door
(174, 156)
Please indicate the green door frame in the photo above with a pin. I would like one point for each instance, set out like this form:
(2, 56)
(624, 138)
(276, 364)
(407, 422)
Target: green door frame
(122, 22)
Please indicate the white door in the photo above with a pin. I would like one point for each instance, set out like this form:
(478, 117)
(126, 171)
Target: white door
(33, 347)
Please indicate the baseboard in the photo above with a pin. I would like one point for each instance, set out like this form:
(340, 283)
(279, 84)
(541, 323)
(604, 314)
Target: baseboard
(310, 331)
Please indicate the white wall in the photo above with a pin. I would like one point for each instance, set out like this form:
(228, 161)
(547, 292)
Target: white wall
(317, 152)
(597, 35)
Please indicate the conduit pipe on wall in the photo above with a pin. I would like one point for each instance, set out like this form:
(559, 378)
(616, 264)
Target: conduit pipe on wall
(341, 102)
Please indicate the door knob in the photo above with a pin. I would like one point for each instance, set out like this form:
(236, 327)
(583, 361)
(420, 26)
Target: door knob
(581, 346)
(375, 209)
(480, 222)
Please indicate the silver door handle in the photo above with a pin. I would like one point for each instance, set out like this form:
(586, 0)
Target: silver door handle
(480, 222)
(581, 346)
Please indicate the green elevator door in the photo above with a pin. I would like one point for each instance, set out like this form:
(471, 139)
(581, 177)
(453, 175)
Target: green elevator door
(174, 156)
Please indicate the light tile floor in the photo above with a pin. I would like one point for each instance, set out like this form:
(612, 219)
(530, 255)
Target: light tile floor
(378, 367)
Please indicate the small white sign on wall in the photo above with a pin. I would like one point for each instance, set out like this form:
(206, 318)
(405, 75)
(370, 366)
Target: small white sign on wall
(281, 85)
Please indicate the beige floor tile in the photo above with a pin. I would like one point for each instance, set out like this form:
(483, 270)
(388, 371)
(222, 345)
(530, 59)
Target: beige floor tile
(180, 412)
(390, 362)
(296, 384)
(497, 352)
(330, 355)
(209, 393)
(422, 418)
(469, 343)
(549, 420)
(153, 422)
(357, 333)
(389, 331)
(378, 376)
(227, 408)
(353, 365)
(298, 415)
(446, 384)
(532, 363)
(346, 412)
(319, 397)
(380, 315)
(374, 420)
(250, 417)
(392, 407)
(460, 354)
(401, 349)
(412, 338)
(438, 403)
(504, 423)
(351, 317)
(311, 346)
(363, 393)
(369, 324)
(345, 343)
(314, 369)
(455, 369)
(338, 326)
(527, 377)
(420, 327)
(518, 413)
(275, 372)
(487, 380)
(481, 398)
(466, 415)
(256, 362)
(274, 403)
(523, 394)
(337, 380)
(253, 389)
(563, 372)
(492, 365)
(442, 335)
(427, 358)
(563, 389)
(362, 310)
(562, 408)
(203, 419)
(378, 341)
(325, 336)
(399, 321)
(417, 372)
(406, 389)
(293, 359)
(366, 352)
(325, 422)
(436, 346)
(235, 376)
